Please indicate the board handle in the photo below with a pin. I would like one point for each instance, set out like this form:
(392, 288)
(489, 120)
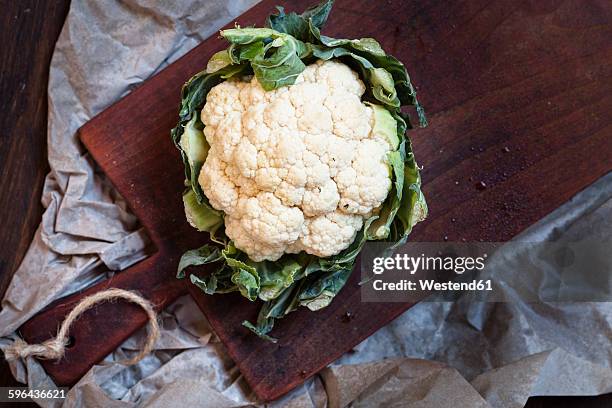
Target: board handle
(100, 330)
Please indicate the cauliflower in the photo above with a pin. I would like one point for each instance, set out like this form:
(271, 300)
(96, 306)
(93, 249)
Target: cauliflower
(297, 168)
(288, 158)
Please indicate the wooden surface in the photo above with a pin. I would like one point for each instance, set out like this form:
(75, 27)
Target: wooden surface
(28, 30)
(24, 65)
(518, 96)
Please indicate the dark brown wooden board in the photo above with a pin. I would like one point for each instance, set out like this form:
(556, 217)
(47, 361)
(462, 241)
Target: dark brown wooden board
(28, 31)
(519, 100)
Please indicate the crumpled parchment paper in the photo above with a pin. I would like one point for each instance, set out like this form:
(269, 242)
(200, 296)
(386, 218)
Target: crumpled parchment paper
(434, 355)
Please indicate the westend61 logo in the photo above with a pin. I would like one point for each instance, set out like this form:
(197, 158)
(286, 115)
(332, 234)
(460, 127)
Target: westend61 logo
(491, 272)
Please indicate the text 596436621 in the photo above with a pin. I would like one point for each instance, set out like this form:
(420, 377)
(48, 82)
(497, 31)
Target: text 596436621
(25, 394)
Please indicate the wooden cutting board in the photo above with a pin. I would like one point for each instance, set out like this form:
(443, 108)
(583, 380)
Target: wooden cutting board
(519, 96)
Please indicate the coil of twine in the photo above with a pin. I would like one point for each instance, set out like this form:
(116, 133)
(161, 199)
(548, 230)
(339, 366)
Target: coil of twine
(56, 347)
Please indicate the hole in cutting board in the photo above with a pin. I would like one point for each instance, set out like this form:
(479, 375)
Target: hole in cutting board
(71, 341)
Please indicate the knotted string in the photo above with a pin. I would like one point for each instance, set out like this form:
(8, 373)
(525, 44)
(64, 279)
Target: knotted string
(55, 348)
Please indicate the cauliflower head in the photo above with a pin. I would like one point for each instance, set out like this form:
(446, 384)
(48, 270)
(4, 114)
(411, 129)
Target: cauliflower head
(298, 168)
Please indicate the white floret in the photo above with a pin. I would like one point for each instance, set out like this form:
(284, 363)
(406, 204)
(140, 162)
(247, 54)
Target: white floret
(351, 118)
(218, 187)
(280, 113)
(265, 218)
(291, 190)
(315, 120)
(307, 93)
(228, 134)
(339, 76)
(365, 185)
(296, 168)
(257, 250)
(337, 153)
(245, 158)
(321, 200)
(329, 234)
(317, 172)
(226, 97)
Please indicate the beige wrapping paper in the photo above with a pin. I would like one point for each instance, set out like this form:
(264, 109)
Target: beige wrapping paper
(434, 355)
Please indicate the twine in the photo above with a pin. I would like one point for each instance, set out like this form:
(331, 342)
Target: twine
(55, 348)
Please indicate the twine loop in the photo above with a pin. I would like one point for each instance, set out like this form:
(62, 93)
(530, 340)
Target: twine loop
(55, 348)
